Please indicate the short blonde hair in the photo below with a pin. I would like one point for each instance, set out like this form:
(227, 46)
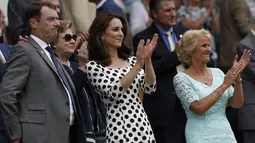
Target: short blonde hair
(189, 42)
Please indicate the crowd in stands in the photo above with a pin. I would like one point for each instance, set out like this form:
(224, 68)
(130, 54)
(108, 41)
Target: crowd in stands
(127, 71)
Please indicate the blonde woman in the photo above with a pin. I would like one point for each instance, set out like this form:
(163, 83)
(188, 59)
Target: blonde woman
(206, 92)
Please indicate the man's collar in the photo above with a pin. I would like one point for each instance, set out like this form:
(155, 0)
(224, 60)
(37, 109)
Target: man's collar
(253, 32)
(162, 31)
(39, 41)
(101, 3)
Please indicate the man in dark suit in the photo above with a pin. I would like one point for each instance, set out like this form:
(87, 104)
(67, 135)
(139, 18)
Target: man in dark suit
(246, 114)
(37, 96)
(107, 6)
(164, 110)
(4, 53)
(16, 10)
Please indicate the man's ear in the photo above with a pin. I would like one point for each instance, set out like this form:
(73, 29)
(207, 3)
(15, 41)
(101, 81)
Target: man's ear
(154, 15)
(33, 23)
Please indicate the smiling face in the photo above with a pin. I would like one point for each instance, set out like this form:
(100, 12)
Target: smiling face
(65, 45)
(202, 51)
(113, 35)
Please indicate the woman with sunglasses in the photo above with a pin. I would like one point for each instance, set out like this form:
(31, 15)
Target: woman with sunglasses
(65, 47)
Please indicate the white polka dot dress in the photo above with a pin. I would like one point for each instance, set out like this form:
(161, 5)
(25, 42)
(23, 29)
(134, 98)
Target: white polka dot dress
(127, 121)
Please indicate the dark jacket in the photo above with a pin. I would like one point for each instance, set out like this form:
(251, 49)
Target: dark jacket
(164, 108)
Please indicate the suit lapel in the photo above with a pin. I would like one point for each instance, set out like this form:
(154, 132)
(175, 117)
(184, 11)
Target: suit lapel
(43, 55)
(69, 79)
(251, 38)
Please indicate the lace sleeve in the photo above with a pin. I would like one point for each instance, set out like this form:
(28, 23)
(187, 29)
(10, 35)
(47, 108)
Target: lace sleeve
(184, 90)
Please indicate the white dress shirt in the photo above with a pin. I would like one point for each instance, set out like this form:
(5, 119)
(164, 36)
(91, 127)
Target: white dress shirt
(2, 58)
(43, 45)
(101, 3)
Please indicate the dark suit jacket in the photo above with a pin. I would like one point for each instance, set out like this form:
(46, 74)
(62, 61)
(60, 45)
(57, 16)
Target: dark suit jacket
(246, 114)
(34, 102)
(96, 106)
(110, 6)
(163, 107)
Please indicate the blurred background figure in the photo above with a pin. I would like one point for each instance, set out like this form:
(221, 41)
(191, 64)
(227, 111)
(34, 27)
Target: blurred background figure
(3, 30)
(80, 12)
(107, 6)
(137, 15)
(194, 16)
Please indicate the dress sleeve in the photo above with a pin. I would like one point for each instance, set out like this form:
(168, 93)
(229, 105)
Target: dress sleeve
(147, 88)
(102, 82)
(184, 90)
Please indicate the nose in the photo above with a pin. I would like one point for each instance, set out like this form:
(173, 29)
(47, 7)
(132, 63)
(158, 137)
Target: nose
(72, 41)
(56, 24)
(121, 33)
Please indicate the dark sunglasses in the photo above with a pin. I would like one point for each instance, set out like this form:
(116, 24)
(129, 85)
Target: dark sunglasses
(69, 37)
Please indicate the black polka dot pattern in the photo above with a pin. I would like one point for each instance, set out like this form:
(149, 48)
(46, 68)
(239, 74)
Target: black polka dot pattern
(126, 120)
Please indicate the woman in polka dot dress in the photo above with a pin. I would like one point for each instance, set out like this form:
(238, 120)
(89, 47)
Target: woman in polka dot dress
(117, 78)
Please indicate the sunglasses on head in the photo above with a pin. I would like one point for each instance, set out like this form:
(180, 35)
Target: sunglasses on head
(69, 37)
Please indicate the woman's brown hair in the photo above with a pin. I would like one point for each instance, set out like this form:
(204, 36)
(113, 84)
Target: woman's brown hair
(96, 48)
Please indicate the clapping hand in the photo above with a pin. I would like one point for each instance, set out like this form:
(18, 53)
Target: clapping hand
(23, 39)
(83, 36)
(237, 68)
(83, 54)
(143, 53)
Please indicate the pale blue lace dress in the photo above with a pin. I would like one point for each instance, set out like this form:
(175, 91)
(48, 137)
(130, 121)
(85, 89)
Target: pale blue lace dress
(212, 126)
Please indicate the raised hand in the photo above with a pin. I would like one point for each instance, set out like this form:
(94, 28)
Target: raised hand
(22, 39)
(245, 59)
(232, 74)
(150, 46)
(238, 67)
(83, 36)
(140, 54)
(83, 54)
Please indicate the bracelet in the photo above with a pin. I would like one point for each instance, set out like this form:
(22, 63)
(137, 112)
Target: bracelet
(219, 92)
(215, 96)
(239, 81)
